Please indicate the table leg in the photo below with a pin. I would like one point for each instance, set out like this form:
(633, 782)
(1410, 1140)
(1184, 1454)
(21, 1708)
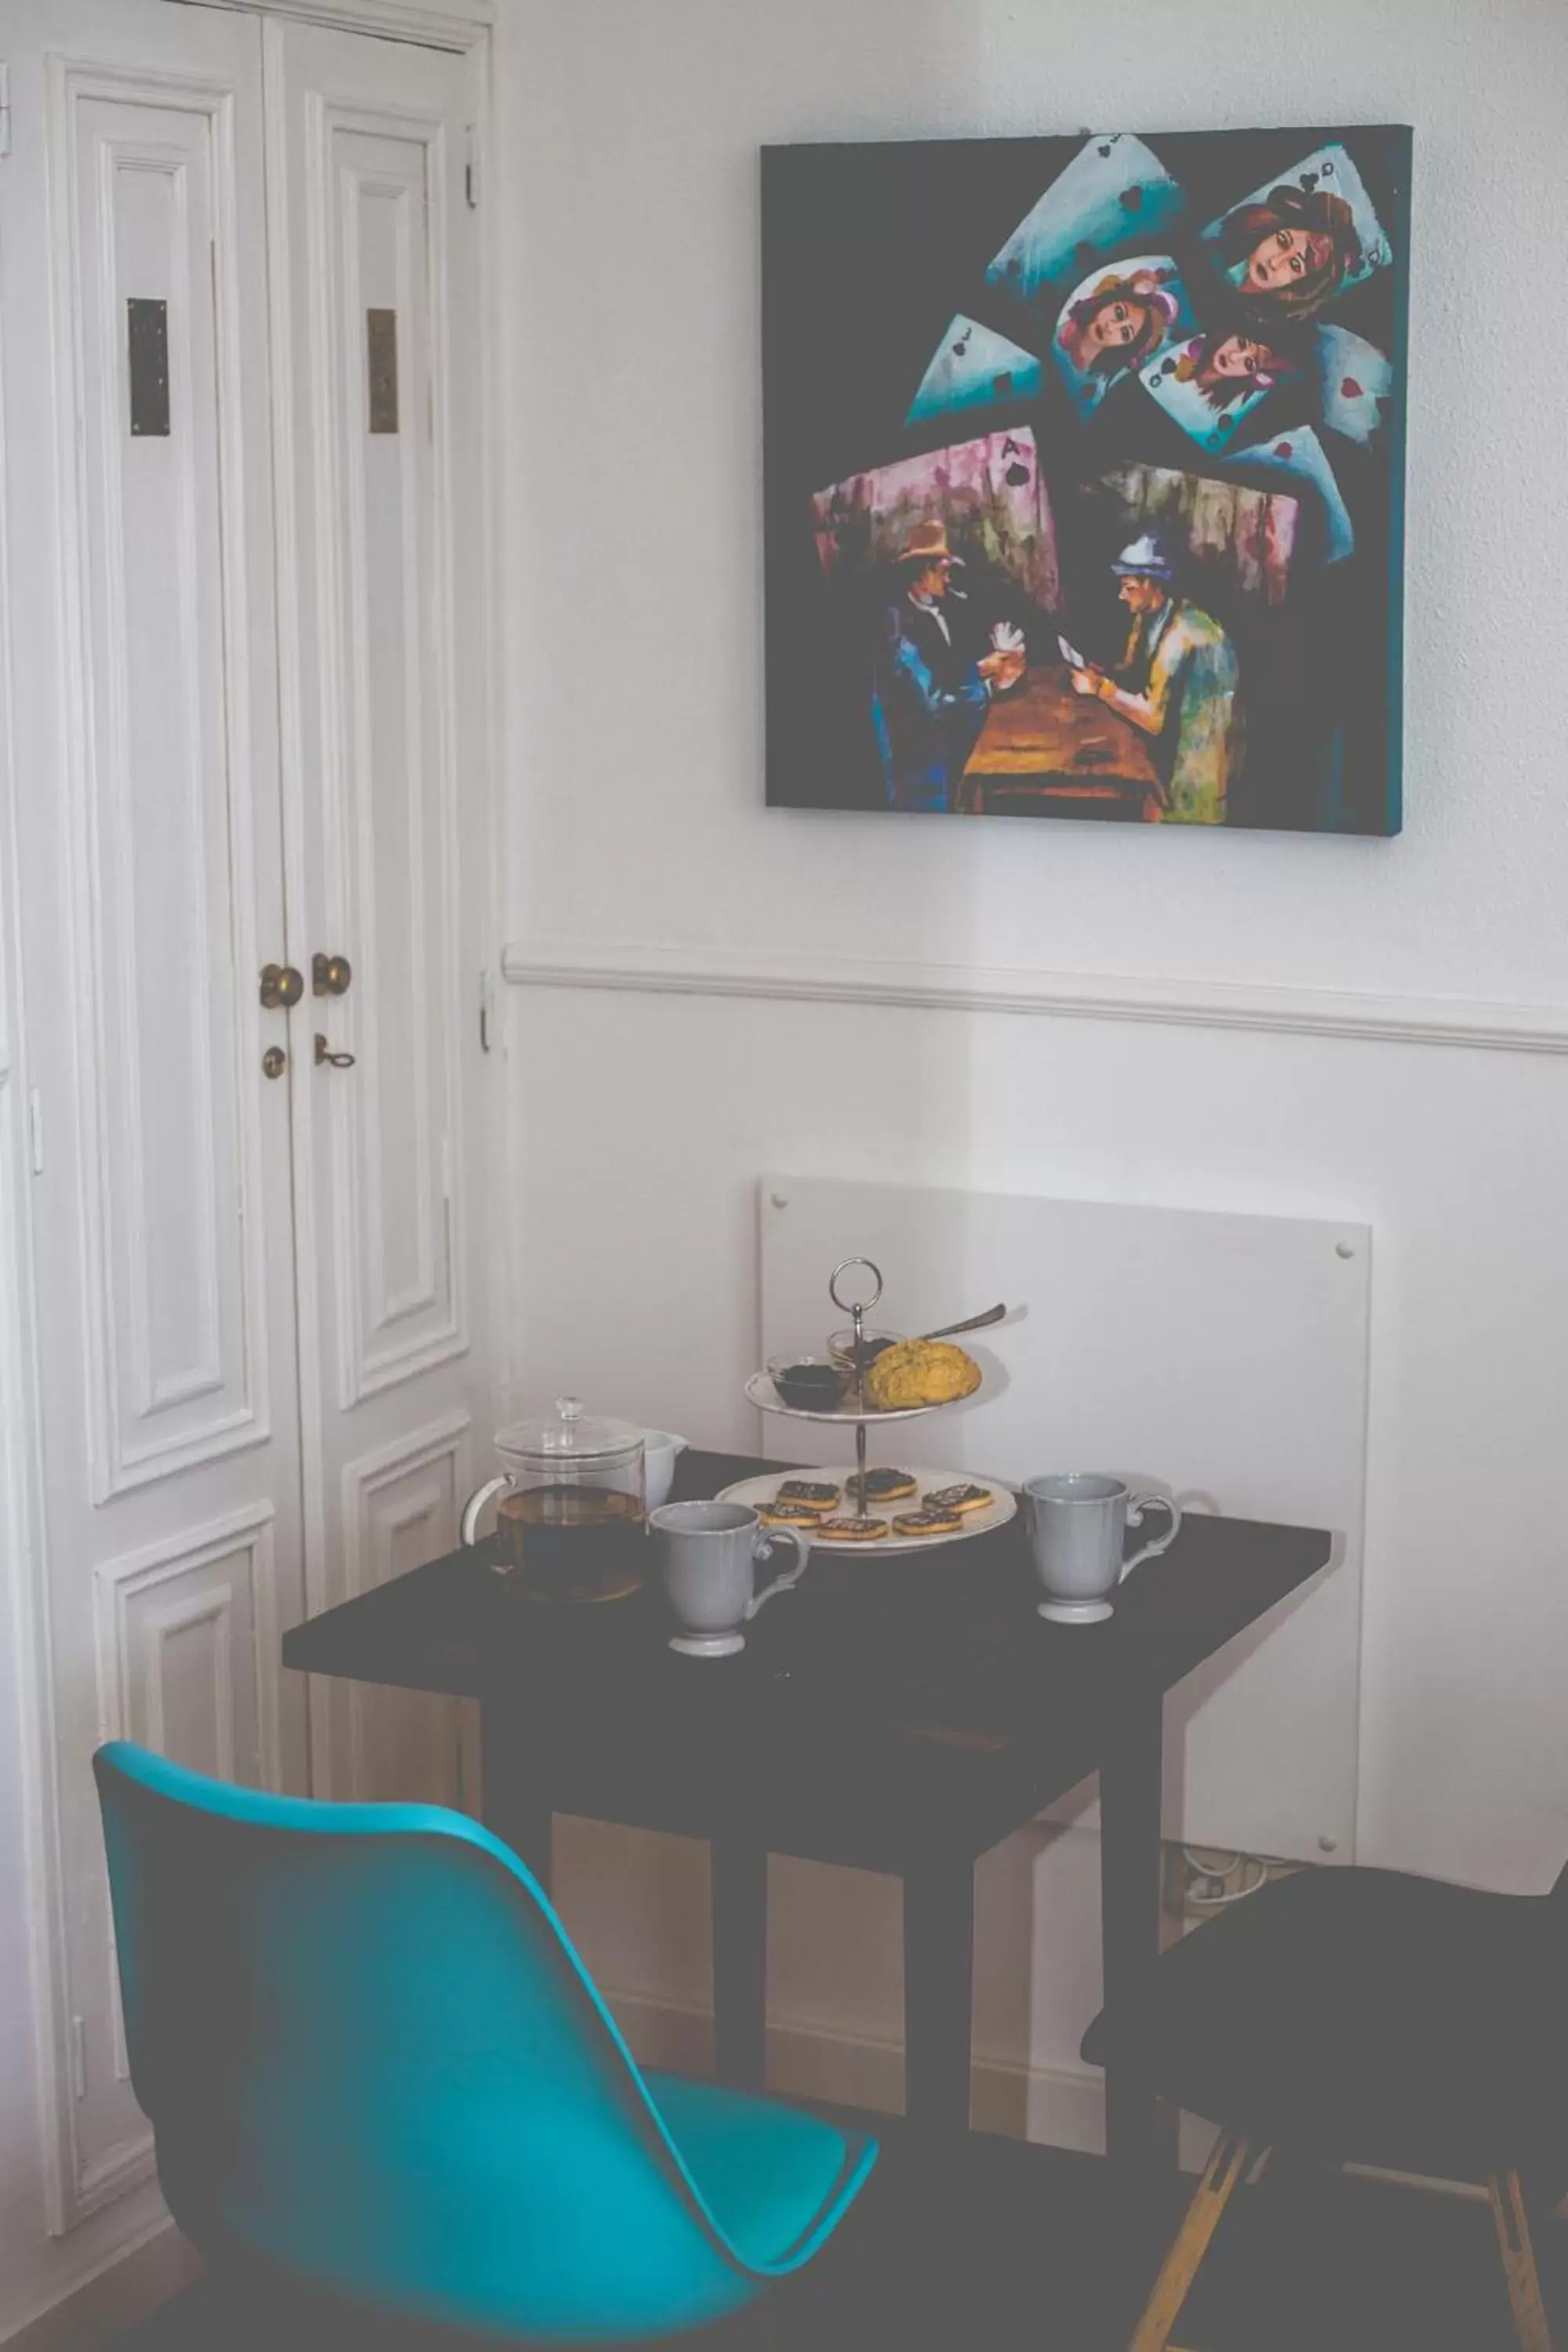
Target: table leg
(509, 1805)
(939, 1964)
(1140, 2132)
(737, 1878)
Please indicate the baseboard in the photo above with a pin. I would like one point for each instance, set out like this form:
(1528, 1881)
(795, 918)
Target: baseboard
(1054, 2107)
(1051, 2106)
(129, 2283)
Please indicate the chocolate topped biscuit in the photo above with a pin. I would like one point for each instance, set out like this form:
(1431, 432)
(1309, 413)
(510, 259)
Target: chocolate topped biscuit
(881, 1485)
(788, 1515)
(809, 1495)
(850, 1530)
(926, 1523)
(963, 1498)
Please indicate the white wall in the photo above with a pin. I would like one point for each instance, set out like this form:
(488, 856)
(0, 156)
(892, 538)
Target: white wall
(626, 179)
(633, 414)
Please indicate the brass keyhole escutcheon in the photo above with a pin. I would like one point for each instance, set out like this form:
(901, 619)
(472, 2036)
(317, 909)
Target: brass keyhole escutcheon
(281, 986)
(331, 975)
(274, 1062)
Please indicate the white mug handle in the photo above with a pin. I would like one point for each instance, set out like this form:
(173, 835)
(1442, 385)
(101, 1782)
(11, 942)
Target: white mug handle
(475, 1504)
(1136, 1507)
(778, 1539)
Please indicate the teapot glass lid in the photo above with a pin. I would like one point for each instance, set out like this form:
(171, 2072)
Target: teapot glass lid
(568, 1434)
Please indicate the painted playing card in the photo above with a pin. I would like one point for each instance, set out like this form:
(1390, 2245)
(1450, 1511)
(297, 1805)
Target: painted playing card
(1115, 320)
(1294, 244)
(1300, 455)
(986, 494)
(1357, 382)
(1115, 189)
(1209, 385)
(974, 367)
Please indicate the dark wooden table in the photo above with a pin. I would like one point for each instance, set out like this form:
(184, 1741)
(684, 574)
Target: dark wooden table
(900, 1715)
(1048, 751)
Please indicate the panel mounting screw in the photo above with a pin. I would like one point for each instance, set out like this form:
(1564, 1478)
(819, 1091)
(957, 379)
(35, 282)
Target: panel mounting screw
(1327, 1844)
(779, 1200)
(1344, 1249)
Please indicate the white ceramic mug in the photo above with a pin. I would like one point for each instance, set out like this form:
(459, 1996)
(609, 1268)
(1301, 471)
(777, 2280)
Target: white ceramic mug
(659, 1449)
(1078, 1527)
(708, 1555)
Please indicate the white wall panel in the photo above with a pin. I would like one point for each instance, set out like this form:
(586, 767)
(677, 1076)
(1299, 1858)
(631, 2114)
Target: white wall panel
(1186, 1352)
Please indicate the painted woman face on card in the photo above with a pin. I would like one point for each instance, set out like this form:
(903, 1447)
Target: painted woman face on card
(1117, 319)
(1284, 258)
(1209, 384)
(1295, 244)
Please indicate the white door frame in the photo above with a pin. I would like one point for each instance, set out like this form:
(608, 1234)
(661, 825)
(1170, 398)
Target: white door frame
(434, 24)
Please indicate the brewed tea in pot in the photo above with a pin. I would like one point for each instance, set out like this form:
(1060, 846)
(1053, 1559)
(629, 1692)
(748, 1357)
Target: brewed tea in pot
(570, 1513)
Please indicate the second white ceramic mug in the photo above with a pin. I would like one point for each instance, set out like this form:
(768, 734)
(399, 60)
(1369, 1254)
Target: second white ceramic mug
(709, 1556)
(1078, 1527)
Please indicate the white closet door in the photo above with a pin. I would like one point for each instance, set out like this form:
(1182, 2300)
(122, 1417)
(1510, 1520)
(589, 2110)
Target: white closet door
(377, 346)
(140, 556)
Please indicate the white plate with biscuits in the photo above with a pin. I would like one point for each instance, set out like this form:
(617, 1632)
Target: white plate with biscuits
(820, 1503)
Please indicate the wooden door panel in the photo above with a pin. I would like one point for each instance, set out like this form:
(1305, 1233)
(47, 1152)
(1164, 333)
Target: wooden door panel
(166, 1555)
(386, 874)
(379, 424)
(160, 786)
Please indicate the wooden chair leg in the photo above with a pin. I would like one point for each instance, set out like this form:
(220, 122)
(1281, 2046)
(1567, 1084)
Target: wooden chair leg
(1233, 2158)
(1506, 2193)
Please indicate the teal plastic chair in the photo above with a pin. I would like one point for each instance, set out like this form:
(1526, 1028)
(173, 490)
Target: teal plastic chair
(376, 2068)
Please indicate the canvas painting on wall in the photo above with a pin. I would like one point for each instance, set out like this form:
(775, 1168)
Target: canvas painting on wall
(1084, 466)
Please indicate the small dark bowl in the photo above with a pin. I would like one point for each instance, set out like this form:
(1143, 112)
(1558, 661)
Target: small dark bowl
(808, 1384)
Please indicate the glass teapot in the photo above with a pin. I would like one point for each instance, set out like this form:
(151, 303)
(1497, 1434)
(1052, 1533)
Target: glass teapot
(569, 1521)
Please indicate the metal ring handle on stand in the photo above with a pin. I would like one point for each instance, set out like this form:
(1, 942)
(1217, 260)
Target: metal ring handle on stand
(843, 1305)
(856, 1314)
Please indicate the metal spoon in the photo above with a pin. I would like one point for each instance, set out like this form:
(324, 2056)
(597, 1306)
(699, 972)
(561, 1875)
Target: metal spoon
(845, 1353)
(972, 1323)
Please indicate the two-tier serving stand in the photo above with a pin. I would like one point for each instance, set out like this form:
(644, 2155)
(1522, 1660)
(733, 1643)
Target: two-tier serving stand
(857, 1413)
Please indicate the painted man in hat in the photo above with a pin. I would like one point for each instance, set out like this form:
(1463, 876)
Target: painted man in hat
(932, 690)
(1177, 682)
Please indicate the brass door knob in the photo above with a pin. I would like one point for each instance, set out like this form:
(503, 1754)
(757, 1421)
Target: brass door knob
(331, 975)
(281, 986)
